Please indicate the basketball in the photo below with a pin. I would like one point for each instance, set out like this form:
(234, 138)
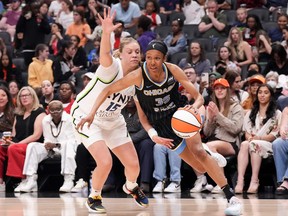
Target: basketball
(186, 124)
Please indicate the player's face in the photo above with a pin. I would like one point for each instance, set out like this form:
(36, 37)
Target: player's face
(131, 55)
(220, 91)
(154, 60)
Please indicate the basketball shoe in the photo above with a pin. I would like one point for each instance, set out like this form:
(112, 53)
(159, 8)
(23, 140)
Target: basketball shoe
(234, 207)
(138, 195)
(94, 205)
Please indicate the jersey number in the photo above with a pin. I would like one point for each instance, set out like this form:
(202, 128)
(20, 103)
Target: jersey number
(113, 106)
(161, 101)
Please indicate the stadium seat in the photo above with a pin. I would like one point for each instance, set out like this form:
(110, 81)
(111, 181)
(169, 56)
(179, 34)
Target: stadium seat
(262, 13)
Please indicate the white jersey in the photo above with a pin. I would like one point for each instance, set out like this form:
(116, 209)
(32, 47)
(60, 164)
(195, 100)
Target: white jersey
(112, 106)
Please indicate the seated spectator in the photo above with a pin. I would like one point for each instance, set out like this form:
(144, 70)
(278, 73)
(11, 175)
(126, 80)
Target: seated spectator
(220, 67)
(207, 93)
(57, 38)
(65, 15)
(92, 9)
(253, 69)
(196, 58)
(80, 57)
(93, 56)
(254, 83)
(66, 95)
(225, 55)
(250, 4)
(9, 71)
(213, 23)
(168, 7)
(272, 79)
(119, 34)
(41, 67)
(151, 11)
(241, 15)
(240, 49)
(234, 79)
(284, 43)
(223, 124)
(192, 76)
(280, 153)
(278, 61)
(277, 33)
(261, 52)
(261, 127)
(59, 139)
(273, 4)
(47, 94)
(128, 12)
(3, 48)
(63, 67)
(193, 12)
(79, 27)
(10, 18)
(27, 128)
(145, 34)
(86, 78)
(6, 123)
(14, 89)
(253, 26)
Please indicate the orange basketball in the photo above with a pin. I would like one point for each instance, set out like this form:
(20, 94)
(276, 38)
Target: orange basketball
(186, 124)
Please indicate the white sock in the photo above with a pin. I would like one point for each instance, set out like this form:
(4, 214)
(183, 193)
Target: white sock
(95, 193)
(131, 185)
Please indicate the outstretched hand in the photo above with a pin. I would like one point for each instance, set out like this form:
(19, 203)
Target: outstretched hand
(107, 21)
(88, 119)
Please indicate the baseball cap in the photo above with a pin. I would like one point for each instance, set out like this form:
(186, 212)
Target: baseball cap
(90, 75)
(222, 82)
(257, 78)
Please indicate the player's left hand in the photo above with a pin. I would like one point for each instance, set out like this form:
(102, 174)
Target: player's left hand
(88, 119)
(163, 141)
(191, 108)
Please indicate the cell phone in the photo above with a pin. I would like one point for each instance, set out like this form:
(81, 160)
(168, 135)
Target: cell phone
(205, 78)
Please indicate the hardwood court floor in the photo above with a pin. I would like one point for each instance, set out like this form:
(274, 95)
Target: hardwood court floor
(168, 205)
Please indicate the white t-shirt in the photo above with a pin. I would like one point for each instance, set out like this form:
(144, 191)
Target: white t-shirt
(55, 7)
(66, 19)
(193, 13)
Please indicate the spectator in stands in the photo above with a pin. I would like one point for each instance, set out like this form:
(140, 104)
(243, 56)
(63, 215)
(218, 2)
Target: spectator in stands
(254, 83)
(280, 153)
(47, 94)
(3, 48)
(151, 11)
(272, 79)
(277, 33)
(92, 9)
(79, 27)
(278, 61)
(168, 7)
(63, 67)
(192, 76)
(209, 90)
(193, 11)
(224, 54)
(41, 67)
(10, 18)
(8, 71)
(43, 10)
(14, 89)
(145, 34)
(56, 38)
(80, 56)
(176, 42)
(240, 49)
(128, 12)
(86, 78)
(30, 30)
(253, 26)
(263, 47)
(196, 57)
(234, 79)
(261, 127)
(284, 43)
(27, 128)
(6, 123)
(223, 124)
(66, 95)
(59, 139)
(241, 15)
(54, 8)
(65, 15)
(250, 4)
(119, 33)
(143, 144)
(93, 56)
(213, 23)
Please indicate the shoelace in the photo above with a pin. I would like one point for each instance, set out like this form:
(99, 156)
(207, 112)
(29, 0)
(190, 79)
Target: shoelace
(140, 193)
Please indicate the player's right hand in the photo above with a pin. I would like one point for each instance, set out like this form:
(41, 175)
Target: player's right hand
(163, 141)
(88, 119)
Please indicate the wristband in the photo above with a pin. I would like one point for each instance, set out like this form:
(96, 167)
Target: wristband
(152, 132)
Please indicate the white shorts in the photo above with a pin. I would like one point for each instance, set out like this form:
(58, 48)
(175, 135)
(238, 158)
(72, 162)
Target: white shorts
(113, 132)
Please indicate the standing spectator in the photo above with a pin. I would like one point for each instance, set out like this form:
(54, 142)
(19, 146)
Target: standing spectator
(151, 11)
(193, 12)
(261, 128)
(168, 7)
(59, 139)
(41, 67)
(128, 12)
(79, 27)
(65, 15)
(213, 23)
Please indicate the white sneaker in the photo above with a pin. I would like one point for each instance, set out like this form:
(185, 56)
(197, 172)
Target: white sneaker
(80, 185)
(173, 187)
(159, 187)
(201, 185)
(217, 190)
(234, 207)
(22, 184)
(222, 162)
(2, 187)
(31, 184)
(68, 184)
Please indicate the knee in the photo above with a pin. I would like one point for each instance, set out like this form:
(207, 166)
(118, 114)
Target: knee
(244, 146)
(278, 144)
(105, 163)
(200, 153)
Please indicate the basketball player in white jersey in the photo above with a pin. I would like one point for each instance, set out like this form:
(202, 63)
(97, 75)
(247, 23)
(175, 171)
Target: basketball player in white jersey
(108, 129)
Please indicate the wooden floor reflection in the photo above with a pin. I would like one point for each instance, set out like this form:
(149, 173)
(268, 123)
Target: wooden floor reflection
(168, 205)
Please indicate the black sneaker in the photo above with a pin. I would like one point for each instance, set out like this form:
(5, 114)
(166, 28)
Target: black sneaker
(138, 195)
(94, 205)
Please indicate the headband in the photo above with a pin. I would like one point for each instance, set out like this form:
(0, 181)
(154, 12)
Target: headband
(157, 45)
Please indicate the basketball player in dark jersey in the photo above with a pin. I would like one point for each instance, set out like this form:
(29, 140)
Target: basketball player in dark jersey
(157, 98)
